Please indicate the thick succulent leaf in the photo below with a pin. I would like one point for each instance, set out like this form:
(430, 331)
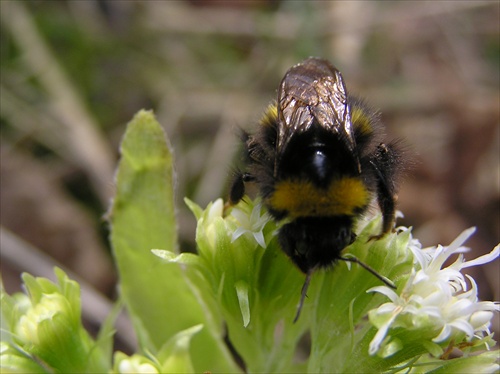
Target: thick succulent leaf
(156, 294)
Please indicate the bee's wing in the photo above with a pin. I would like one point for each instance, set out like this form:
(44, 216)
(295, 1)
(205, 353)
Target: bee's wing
(313, 91)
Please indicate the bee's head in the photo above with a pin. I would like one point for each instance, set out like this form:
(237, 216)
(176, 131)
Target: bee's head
(316, 241)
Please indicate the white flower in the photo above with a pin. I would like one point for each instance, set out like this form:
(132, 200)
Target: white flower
(436, 297)
(253, 224)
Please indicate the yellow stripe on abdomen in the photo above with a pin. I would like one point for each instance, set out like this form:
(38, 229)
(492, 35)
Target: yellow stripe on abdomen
(344, 196)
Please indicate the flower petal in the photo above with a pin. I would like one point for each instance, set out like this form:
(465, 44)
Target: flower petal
(493, 255)
(461, 239)
(380, 335)
(464, 326)
(445, 332)
(259, 237)
(384, 290)
(237, 233)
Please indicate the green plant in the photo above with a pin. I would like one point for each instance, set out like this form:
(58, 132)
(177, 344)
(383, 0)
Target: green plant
(240, 284)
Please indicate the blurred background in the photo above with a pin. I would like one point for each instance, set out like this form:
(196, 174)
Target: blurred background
(73, 73)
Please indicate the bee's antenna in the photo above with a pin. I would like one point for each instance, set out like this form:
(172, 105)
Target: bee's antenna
(387, 281)
(303, 293)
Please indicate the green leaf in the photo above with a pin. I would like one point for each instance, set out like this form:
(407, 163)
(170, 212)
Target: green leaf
(175, 354)
(242, 292)
(156, 294)
(486, 362)
(197, 211)
(104, 341)
(15, 360)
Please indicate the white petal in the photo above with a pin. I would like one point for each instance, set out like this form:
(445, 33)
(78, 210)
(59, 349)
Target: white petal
(480, 319)
(438, 258)
(460, 308)
(259, 237)
(237, 233)
(420, 276)
(445, 332)
(461, 239)
(431, 311)
(384, 290)
(463, 326)
(451, 280)
(419, 255)
(493, 255)
(379, 336)
(493, 306)
(435, 299)
(254, 216)
(458, 264)
(241, 217)
(216, 209)
(472, 293)
(416, 299)
(386, 308)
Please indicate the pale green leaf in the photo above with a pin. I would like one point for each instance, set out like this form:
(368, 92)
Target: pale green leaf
(157, 296)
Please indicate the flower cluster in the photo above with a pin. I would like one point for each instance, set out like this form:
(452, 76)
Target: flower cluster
(436, 299)
(45, 331)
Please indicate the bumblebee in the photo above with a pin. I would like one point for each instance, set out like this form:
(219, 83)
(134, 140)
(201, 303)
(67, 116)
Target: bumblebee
(318, 160)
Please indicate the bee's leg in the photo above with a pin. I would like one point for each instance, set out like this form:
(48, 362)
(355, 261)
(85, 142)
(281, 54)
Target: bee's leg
(386, 162)
(237, 189)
